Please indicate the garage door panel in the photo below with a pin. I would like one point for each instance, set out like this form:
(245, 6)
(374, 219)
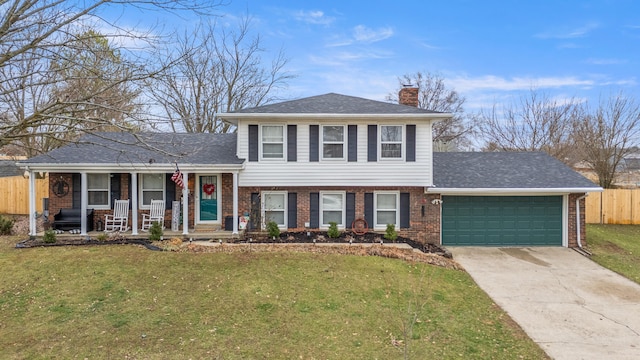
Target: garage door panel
(502, 220)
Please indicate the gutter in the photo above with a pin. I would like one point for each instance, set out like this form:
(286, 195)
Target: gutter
(511, 191)
(141, 168)
(580, 249)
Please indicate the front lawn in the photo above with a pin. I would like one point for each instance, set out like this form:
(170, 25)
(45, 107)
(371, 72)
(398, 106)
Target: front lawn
(127, 302)
(616, 247)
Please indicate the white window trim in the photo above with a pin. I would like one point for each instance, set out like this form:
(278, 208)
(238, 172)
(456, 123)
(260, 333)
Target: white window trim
(343, 142)
(344, 208)
(284, 143)
(108, 189)
(403, 143)
(142, 206)
(263, 208)
(377, 226)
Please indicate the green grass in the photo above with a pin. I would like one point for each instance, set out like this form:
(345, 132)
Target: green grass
(616, 247)
(128, 302)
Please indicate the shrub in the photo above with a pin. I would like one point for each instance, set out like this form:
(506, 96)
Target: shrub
(101, 237)
(6, 225)
(390, 233)
(333, 231)
(155, 231)
(273, 229)
(49, 236)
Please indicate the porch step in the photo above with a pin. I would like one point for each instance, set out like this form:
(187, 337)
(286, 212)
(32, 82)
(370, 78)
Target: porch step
(208, 228)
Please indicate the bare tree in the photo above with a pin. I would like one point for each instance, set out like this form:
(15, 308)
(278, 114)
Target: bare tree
(35, 34)
(608, 134)
(534, 123)
(84, 89)
(434, 95)
(216, 70)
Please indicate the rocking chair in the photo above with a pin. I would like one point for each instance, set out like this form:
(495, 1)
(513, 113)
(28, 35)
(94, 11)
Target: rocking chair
(156, 214)
(119, 220)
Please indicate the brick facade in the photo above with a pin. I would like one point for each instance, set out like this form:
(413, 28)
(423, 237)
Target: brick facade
(573, 235)
(424, 215)
(424, 219)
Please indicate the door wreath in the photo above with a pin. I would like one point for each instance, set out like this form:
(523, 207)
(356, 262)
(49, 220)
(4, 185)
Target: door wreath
(208, 188)
(60, 188)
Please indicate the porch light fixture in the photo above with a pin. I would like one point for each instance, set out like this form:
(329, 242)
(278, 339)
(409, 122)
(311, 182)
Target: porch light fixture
(26, 173)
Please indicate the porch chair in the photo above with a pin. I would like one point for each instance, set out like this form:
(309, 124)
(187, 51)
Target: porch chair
(156, 214)
(118, 221)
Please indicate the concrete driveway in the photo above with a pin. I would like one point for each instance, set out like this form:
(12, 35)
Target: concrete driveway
(569, 305)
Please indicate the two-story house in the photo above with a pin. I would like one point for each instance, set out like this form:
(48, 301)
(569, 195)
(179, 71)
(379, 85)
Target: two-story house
(328, 158)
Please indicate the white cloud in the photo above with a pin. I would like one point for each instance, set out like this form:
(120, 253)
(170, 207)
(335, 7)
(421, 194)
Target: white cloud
(364, 34)
(316, 17)
(341, 58)
(604, 61)
(492, 82)
(622, 82)
(567, 33)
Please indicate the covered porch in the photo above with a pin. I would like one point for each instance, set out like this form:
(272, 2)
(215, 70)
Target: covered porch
(196, 175)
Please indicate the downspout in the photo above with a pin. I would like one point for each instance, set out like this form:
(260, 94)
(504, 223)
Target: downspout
(582, 250)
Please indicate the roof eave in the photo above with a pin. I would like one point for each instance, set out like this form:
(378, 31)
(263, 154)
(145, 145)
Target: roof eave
(234, 117)
(148, 168)
(512, 191)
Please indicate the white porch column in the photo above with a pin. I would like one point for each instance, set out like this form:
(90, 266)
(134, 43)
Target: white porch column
(84, 202)
(185, 203)
(32, 203)
(235, 203)
(134, 203)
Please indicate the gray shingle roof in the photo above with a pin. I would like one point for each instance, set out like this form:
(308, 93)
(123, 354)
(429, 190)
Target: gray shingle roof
(520, 170)
(145, 148)
(9, 168)
(333, 103)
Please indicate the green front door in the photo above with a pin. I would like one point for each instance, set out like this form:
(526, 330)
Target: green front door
(208, 188)
(502, 220)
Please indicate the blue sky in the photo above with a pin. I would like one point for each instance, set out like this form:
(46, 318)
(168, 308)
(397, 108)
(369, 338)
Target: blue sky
(489, 51)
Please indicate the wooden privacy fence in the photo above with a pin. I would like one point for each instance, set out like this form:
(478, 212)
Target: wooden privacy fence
(14, 194)
(613, 206)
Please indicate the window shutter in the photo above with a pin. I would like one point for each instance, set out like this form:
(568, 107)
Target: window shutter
(170, 193)
(255, 212)
(76, 192)
(352, 145)
(351, 209)
(405, 210)
(411, 143)
(314, 133)
(292, 209)
(314, 210)
(368, 209)
(254, 143)
(292, 143)
(129, 191)
(115, 188)
(372, 143)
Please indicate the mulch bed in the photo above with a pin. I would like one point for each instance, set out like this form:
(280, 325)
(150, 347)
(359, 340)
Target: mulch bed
(301, 237)
(347, 244)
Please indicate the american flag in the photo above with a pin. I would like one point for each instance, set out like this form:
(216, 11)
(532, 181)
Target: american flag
(177, 178)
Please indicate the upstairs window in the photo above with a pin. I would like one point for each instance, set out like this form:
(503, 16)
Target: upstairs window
(272, 141)
(98, 190)
(333, 142)
(391, 142)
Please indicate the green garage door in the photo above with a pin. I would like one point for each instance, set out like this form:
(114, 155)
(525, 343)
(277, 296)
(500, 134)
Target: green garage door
(502, 220)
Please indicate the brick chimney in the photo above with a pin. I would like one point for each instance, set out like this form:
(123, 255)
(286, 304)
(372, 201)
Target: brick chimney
(408, 95)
